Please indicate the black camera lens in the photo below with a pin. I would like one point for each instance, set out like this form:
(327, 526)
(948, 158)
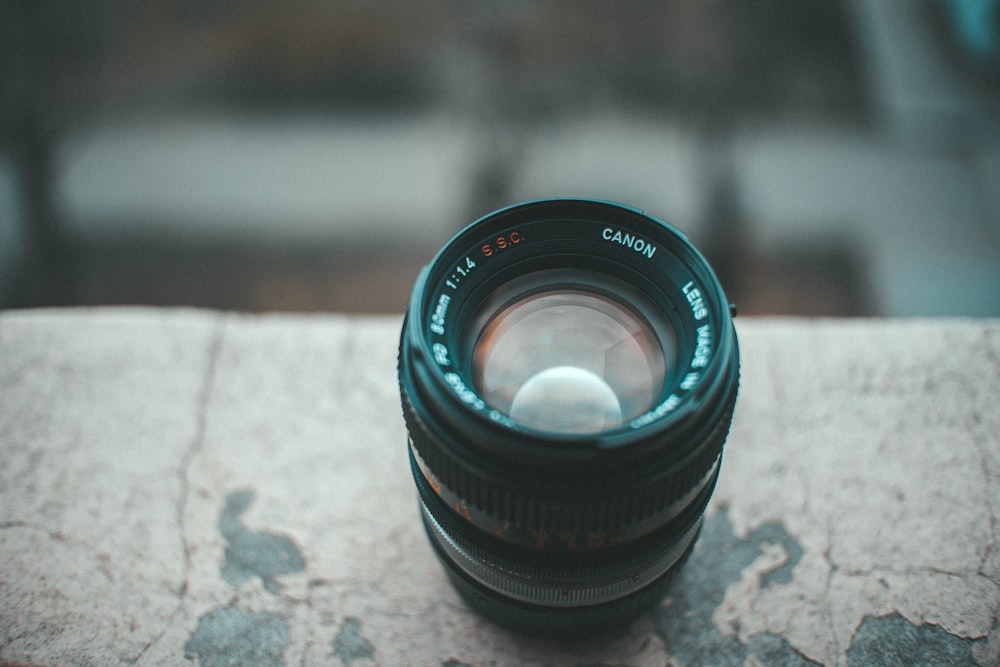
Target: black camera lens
(568, 371)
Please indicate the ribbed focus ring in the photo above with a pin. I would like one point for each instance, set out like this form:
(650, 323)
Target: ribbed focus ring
(638, 505)
(556, 587)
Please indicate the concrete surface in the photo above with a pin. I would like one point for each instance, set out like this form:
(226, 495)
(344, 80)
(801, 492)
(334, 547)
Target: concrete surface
(189, 487)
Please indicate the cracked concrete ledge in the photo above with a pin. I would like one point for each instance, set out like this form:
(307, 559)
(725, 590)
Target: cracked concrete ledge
(186, 487)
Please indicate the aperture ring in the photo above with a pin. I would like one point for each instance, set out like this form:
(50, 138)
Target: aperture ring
(583, 589)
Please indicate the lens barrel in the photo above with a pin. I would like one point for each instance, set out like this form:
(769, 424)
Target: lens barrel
(568, 371)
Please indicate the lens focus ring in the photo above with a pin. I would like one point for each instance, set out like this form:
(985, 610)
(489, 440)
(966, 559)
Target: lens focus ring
(585, 515)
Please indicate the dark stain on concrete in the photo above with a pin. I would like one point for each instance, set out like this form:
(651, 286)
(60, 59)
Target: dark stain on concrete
(775, 534)
(350, 645)
(255, 554)
(233, 637)
(685, 620)
(893, 640)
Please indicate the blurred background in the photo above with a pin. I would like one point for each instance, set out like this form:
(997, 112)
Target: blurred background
(830, 158)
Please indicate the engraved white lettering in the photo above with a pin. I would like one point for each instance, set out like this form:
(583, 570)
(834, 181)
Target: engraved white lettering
(697, 301)
(661, 410)
(703, 347)
(440, 315)
(441, 354)
(690, 380)
(464, 393)
(640, 245)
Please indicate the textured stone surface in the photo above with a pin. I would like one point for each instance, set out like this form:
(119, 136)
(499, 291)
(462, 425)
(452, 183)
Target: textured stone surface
(182, 487)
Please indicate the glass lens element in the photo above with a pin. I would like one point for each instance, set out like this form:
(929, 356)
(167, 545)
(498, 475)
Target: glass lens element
(569, 361)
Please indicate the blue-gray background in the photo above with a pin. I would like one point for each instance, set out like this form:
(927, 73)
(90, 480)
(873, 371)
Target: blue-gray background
(831, 158)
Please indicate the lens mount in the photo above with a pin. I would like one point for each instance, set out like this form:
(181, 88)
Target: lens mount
(568, 371)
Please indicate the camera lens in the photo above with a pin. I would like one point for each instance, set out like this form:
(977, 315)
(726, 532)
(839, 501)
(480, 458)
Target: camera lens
(568, 371)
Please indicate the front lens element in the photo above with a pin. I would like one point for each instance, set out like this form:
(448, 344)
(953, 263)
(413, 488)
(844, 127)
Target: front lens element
(567, 361)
